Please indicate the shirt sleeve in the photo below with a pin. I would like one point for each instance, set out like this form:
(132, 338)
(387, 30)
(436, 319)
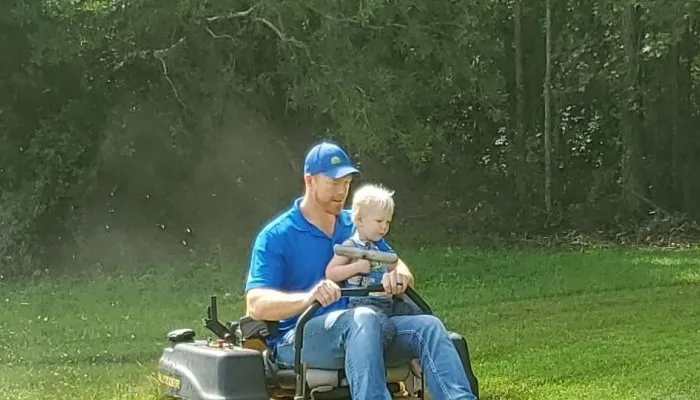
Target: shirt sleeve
(266, 268)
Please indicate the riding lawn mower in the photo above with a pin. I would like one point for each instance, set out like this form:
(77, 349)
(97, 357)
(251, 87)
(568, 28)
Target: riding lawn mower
(237, 365)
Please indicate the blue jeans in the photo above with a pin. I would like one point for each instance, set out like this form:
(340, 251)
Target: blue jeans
(352, 339)
(387, 307)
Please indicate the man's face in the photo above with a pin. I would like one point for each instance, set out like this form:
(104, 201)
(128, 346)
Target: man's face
(329, 193)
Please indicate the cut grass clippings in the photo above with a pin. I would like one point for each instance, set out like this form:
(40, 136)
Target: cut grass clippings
(590, 325)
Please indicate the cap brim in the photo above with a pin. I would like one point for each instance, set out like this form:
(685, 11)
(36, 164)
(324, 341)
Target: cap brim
(340, 172)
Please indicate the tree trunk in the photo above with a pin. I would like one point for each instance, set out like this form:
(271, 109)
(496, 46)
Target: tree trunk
(519, 102)
(685, 161)
(673, 196)
(548, 110)
(632, 186)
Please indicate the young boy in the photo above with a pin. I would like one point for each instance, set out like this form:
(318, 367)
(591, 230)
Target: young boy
(372, 211)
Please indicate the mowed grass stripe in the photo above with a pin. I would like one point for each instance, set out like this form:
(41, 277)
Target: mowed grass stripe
(590, 325)
(636, 344)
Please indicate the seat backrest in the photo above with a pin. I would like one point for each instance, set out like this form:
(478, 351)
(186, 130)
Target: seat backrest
(254, 332)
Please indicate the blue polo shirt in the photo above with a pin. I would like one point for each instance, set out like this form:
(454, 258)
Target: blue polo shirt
(290, 254)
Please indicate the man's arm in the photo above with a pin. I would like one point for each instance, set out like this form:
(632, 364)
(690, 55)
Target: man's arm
(398, 271)
(273, 305)
(265, 299)
(401, 268)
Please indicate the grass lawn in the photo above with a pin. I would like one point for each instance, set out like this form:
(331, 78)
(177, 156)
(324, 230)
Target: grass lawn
(592, 325)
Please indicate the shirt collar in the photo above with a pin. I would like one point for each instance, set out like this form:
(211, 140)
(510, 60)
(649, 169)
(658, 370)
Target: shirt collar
(364, 242)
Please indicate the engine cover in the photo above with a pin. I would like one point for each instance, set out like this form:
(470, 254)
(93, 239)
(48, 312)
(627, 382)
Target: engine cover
(200, 370)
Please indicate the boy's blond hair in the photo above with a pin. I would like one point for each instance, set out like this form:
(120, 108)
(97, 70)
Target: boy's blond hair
(372, 197)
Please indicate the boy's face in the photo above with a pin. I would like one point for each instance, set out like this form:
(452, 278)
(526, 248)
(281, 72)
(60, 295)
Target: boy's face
(373, 224)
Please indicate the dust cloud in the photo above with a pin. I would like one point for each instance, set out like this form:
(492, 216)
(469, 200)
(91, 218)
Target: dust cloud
(166, 193)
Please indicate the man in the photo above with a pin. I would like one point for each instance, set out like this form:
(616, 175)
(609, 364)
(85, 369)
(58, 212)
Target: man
(287, 274)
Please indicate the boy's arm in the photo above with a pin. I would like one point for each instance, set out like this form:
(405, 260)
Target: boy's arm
(340, 268)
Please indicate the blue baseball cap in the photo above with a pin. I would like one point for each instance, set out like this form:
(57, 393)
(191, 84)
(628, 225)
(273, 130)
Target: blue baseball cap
(328, 159)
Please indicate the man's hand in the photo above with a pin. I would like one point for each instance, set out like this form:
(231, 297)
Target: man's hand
(325, 292)
(395, 282)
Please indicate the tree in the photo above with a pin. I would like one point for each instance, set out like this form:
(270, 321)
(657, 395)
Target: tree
(548, 110)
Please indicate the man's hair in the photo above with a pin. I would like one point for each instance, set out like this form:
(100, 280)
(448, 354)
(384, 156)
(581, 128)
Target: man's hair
(373, 197)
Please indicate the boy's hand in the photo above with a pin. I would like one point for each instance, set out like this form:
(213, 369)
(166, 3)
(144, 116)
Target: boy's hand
(364, 266)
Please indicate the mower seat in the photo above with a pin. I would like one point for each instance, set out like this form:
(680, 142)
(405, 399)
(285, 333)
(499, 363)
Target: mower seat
(323, 378)
(336, 378)
(281, 382)
(254, 332)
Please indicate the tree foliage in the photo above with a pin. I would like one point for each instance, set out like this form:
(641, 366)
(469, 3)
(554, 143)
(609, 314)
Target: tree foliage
(427, 89)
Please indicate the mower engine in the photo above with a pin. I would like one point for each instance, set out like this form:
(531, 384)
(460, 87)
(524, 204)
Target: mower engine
(219, 369)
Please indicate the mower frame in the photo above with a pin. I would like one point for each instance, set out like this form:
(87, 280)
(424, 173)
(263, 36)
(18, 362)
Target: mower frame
(236, 341)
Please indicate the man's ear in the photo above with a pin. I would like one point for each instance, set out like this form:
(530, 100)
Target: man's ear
(308, 178)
